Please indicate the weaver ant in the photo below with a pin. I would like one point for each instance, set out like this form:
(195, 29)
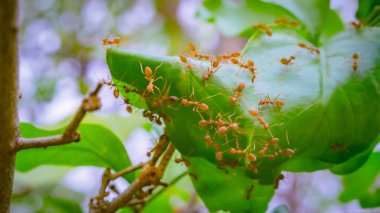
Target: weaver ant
(183, 160)
(254, 114)
(237, 93)
(148, 74)
(311, 49)
(274, 102)
(355, 58)
(286, 22)
(287, 61)
(263, 27)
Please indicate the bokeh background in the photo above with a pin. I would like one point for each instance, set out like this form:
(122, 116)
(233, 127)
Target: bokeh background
(62, 57)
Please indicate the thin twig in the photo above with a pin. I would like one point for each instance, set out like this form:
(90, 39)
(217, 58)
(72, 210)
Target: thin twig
(126, 171)
(175, 180)
(89, 104)
(151, 175)
(125, 196)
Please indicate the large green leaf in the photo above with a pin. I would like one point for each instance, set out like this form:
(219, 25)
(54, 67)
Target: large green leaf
(317, 20)
(331, 112)
(98, 147)
(361, 190)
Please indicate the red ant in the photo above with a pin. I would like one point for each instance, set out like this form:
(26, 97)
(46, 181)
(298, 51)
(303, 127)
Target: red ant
(116, 92)
(221, 57)
(273, 102)
(196, 54)
(287, 61)
(289, 152)
(238, 92)
(224, 126)
(211, 70)
(107, 41)
(254, 114)
(114, 41)
(287, 22)
(250, 65)
(251, 157)
(148, 73)
(263, 27)
(234, 151)
(355, 58)
(201, 106)
(304, 46)
(162, 99)
(183, 160)
(253, 168)
(210, 142)
(218, 153)
(185, 61)
(357, 25)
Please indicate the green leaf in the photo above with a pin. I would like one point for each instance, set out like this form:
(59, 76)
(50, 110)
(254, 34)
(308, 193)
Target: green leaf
(316, 26)
(122, 126)
(355, 189)
(232, 18)
(366, 7)
(228, 192)
(98, 147)
(59, 205)
(331, 112)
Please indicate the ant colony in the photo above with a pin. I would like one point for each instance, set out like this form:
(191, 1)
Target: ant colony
(223, 132)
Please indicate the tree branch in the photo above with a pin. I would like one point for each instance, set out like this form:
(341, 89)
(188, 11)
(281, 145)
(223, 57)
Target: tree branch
(151, 175)
(89, 104)
(126, 171)
(9, 93)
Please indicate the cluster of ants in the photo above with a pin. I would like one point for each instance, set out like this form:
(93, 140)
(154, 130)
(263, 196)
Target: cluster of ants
(222, 127)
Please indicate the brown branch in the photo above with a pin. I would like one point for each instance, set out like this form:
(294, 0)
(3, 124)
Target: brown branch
(126, 171)
(151, 175)
(9, 93)
(90, 103)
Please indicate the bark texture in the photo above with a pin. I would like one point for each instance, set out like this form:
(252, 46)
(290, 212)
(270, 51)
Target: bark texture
(8, 95)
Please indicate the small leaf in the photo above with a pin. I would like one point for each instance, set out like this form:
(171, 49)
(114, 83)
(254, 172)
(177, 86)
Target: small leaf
(98, 147)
